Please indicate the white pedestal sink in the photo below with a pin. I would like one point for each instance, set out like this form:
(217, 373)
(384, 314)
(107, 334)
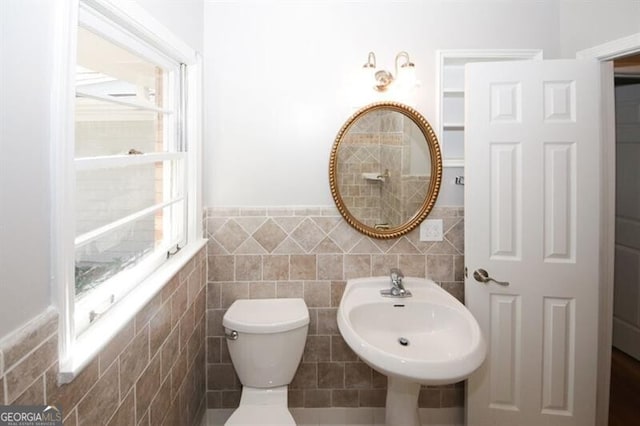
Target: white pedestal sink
(429, 338)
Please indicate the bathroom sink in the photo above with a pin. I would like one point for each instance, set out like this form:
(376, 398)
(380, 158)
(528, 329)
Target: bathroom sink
(429, 338)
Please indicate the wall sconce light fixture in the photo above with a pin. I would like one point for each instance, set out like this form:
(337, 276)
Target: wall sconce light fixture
(405, 72)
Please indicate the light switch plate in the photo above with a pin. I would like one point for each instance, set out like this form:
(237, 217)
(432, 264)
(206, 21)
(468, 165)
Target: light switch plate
(431, 230)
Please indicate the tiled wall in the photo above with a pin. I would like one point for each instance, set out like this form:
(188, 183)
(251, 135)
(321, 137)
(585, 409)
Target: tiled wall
(151, 373)
(309, 253)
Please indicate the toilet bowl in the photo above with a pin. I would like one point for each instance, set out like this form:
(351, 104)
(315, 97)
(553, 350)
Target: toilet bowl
(266, 338)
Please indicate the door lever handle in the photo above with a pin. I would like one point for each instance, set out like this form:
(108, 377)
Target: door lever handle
(482, 276)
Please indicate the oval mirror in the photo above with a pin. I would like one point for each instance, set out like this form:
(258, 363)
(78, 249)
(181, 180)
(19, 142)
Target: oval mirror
(385, 169)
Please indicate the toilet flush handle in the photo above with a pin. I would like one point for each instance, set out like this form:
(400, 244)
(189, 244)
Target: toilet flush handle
(230, 334)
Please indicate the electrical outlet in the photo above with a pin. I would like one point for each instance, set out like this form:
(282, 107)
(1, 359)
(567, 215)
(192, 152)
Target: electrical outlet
(431, 230)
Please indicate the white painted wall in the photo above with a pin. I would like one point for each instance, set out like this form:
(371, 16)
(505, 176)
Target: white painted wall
(588, 23)
(279, 79)
(182, 17)
(25, 81)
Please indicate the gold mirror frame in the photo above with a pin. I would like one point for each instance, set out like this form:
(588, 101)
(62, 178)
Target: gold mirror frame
(436, 171)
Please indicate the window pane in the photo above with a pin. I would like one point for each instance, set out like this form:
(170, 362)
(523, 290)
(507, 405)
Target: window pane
(107, 69)
(106, 195)
(118, 95)
(121, 249)
(106, 128)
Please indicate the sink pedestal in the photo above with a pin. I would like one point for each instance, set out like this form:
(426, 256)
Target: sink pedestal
(402, 402)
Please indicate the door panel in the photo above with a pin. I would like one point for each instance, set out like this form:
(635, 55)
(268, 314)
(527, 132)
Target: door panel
(532, 144)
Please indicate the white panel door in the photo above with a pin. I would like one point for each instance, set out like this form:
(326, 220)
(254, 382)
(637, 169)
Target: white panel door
(626, 300)
(532, 219)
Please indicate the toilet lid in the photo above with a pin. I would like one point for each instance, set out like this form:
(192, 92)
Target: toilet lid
(260, 415)
(263, 316)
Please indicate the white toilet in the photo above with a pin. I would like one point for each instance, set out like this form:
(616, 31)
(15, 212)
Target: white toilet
(266, 338)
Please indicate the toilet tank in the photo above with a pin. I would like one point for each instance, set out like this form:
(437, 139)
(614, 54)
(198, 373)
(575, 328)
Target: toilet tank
(266, 338)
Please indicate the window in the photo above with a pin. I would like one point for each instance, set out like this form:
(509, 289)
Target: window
(126, 173)
(129, 171)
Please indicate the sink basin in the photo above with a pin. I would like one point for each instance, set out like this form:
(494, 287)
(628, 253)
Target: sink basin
(429, 338)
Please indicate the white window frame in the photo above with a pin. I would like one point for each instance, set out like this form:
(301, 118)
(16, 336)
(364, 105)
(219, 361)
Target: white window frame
(77, 352)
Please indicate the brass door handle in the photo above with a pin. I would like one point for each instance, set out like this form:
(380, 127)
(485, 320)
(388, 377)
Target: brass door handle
(482, 276)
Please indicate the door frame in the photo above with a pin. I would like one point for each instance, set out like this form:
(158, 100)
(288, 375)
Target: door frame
(605, 53)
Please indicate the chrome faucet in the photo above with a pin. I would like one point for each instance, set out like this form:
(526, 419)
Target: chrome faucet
(397, 288)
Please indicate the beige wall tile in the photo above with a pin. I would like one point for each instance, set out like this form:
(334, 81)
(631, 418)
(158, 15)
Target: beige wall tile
(357, 265)
(372, 397)
(295, 398)
(248, 267)
(213, 350)
(213, 296)
(429, 397)
(214, 322)
(232, 291)
(289, 289)
(102, 399)
(133, 360)
(33, 395)
(318, 348)
(330, 266)
(71, 419)
(169, 350)
(331, 375)
(2, 400)
(147, 386)
(110, 353)
(27, 339)
(214, 399)
(159, 328)
(144, 316)
(230, 399)
(340, 351)
(222, 377)
(269, 235)
(302, 267)
(25, 372)
(357, 375)
(158, 411)
(344, 398)
(262, 290)
(125, 415)
(67, 396)
(452, 398)
(317, 398)
(327, 321)
(440, 267)
(230, 235)
(221, 268)
(337, 289)
(381, 264)
(317, 293)
(306, 376)
(275, 267)
(412, 265)
(178, 303)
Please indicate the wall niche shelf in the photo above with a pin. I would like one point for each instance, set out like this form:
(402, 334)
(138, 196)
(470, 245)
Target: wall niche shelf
(451, 96)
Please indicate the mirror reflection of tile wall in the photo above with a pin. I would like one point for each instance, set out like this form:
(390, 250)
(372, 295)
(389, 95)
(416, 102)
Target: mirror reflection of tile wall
(381, 144)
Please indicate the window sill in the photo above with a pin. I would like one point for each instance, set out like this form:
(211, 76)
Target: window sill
(91, 342)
